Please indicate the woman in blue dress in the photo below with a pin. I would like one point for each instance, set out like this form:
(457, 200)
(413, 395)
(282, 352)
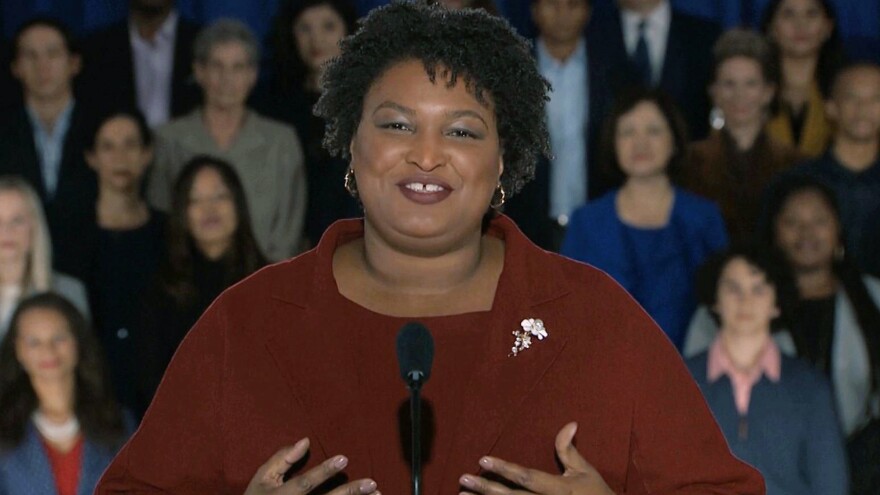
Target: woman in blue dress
(650, 235)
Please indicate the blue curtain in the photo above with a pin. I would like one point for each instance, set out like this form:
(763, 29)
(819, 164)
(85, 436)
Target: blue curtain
(859, 21)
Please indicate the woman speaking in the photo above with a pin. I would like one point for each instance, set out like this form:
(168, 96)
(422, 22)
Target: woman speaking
(441, 116)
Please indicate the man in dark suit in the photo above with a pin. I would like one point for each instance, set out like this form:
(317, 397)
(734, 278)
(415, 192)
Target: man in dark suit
(43, 137)
(143, 62)
(646, 42)
(578, 102)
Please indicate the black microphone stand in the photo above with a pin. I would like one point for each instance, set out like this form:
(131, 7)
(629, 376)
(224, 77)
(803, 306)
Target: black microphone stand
(415, 415)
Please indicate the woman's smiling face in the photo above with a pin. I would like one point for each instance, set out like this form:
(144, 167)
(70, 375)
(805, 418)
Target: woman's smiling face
(426, 156)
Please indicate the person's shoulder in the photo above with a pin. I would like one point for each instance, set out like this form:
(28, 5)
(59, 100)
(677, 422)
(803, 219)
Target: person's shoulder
(187, 28)
(694, 25)
(697, 365)
(697, 208)
(801, 376)
(702, 158)
(284, 279)
(594, 216)
(62, 283)
(596, 207)
(12, 117)
(107, 36)
(179, 127)
(873, 285)
(816, 166)
(695, 202)
(585, 281)
(271, 125)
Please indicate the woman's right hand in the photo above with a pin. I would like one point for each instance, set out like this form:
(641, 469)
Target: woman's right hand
(269, 479)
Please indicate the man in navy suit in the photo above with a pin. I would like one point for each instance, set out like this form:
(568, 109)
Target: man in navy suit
(43, 137)
(646, 42)
(143, 62)
(574, 113)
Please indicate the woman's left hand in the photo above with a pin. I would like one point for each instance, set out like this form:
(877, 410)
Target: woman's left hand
(579, 478)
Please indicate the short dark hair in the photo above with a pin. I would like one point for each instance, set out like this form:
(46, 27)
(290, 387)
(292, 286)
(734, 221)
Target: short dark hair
(484, 51)
(746, 43)
(851, 67)
(51, 23)
(94, 405)
(768, 261)
(241, 259)
(132, 114)
(628, 99)
(290, 68)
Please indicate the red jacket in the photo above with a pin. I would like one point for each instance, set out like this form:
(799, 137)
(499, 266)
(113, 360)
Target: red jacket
(275, 359)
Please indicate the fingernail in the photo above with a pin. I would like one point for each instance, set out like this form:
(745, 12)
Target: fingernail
(340, 462)
(486, 462)
(467, 481)
(368, 487)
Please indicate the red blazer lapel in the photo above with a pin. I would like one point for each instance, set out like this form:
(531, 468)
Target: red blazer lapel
(333, 430)
(502, 381)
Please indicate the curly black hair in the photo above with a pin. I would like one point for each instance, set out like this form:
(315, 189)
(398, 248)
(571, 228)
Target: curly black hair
(494, 62)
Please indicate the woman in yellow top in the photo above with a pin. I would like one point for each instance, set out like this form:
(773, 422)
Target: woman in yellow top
(805, 35)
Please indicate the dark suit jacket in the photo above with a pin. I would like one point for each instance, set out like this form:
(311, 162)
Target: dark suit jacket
(711, 171)
(72, 208)
(10, 90)
(276, 358)
(687, 65)
(108, 69)
(530, 208)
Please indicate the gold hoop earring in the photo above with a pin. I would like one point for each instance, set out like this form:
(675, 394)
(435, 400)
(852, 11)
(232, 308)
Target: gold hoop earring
(350, 184)
(502, 200)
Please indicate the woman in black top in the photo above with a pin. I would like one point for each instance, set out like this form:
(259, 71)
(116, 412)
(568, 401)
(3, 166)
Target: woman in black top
(210, 247)
(837, 322)
(306, 34)
(126, 241)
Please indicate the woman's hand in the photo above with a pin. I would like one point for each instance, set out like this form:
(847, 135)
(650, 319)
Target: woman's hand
(269, 479)
(579, 478)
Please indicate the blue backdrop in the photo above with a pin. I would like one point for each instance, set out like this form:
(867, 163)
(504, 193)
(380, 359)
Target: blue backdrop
(859, 20)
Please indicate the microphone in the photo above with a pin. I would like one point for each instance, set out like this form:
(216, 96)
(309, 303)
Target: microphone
(415, 355)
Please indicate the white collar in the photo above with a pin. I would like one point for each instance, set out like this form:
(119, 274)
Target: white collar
(165, 31)
(660, 16)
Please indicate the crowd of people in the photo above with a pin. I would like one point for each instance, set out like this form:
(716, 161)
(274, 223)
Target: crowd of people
(730, 182)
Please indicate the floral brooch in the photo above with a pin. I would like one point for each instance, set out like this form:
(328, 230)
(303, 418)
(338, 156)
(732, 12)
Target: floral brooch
(531, 327)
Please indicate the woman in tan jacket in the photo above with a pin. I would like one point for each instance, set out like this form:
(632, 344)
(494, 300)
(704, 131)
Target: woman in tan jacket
(739, 158)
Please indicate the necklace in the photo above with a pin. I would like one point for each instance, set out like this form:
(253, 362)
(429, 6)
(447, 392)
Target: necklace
(54, 432)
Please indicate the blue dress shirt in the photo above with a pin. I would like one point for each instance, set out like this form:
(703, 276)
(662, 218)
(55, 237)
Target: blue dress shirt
(567, 116)
(50, 145)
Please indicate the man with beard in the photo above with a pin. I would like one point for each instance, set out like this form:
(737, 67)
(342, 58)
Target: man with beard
(144, 61)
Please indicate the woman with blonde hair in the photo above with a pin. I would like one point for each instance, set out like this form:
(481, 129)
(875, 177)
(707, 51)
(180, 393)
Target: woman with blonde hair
(26, 252)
